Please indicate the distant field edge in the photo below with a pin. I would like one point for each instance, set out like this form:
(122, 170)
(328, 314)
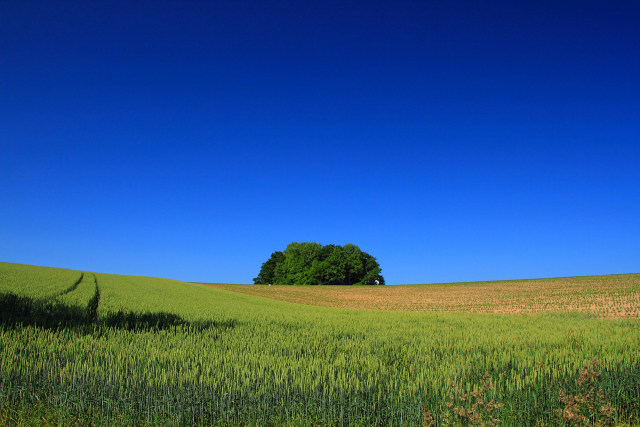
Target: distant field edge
(517, 280)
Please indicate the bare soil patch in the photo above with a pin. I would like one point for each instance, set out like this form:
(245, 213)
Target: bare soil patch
(612, 296)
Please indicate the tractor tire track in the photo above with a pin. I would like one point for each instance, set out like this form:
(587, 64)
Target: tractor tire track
(72, 287)
(94, 302)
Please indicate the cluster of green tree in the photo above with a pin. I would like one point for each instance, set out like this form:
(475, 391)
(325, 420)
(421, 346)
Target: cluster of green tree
(310, 263)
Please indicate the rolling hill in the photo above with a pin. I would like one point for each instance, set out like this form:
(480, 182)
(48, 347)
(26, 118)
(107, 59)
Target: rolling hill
(92, 348)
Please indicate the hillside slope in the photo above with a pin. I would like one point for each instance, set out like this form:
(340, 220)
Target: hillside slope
(161, 351)
(611, 296)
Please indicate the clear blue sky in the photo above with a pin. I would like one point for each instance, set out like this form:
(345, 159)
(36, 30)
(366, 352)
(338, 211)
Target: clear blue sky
(452, 140)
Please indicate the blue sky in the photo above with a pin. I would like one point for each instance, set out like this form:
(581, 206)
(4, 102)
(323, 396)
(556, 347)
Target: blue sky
(452, 140)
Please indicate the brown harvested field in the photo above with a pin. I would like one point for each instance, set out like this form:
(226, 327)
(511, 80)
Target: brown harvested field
(612, 296)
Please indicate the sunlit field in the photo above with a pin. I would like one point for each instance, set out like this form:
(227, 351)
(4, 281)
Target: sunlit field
(613, 297)
(89, 348)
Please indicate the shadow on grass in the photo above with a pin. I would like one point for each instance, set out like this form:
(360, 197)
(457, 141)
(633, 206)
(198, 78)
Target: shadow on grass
(51, 314)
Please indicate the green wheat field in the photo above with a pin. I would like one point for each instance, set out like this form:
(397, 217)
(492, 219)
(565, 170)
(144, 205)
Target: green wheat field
(84, 348)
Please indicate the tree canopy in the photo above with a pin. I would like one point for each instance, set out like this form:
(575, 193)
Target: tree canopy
(310, 263)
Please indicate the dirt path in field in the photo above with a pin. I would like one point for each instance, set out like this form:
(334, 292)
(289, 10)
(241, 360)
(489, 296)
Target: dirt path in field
(613, 296)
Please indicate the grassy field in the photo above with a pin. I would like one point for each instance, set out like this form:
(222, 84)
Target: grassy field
(89, 348)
